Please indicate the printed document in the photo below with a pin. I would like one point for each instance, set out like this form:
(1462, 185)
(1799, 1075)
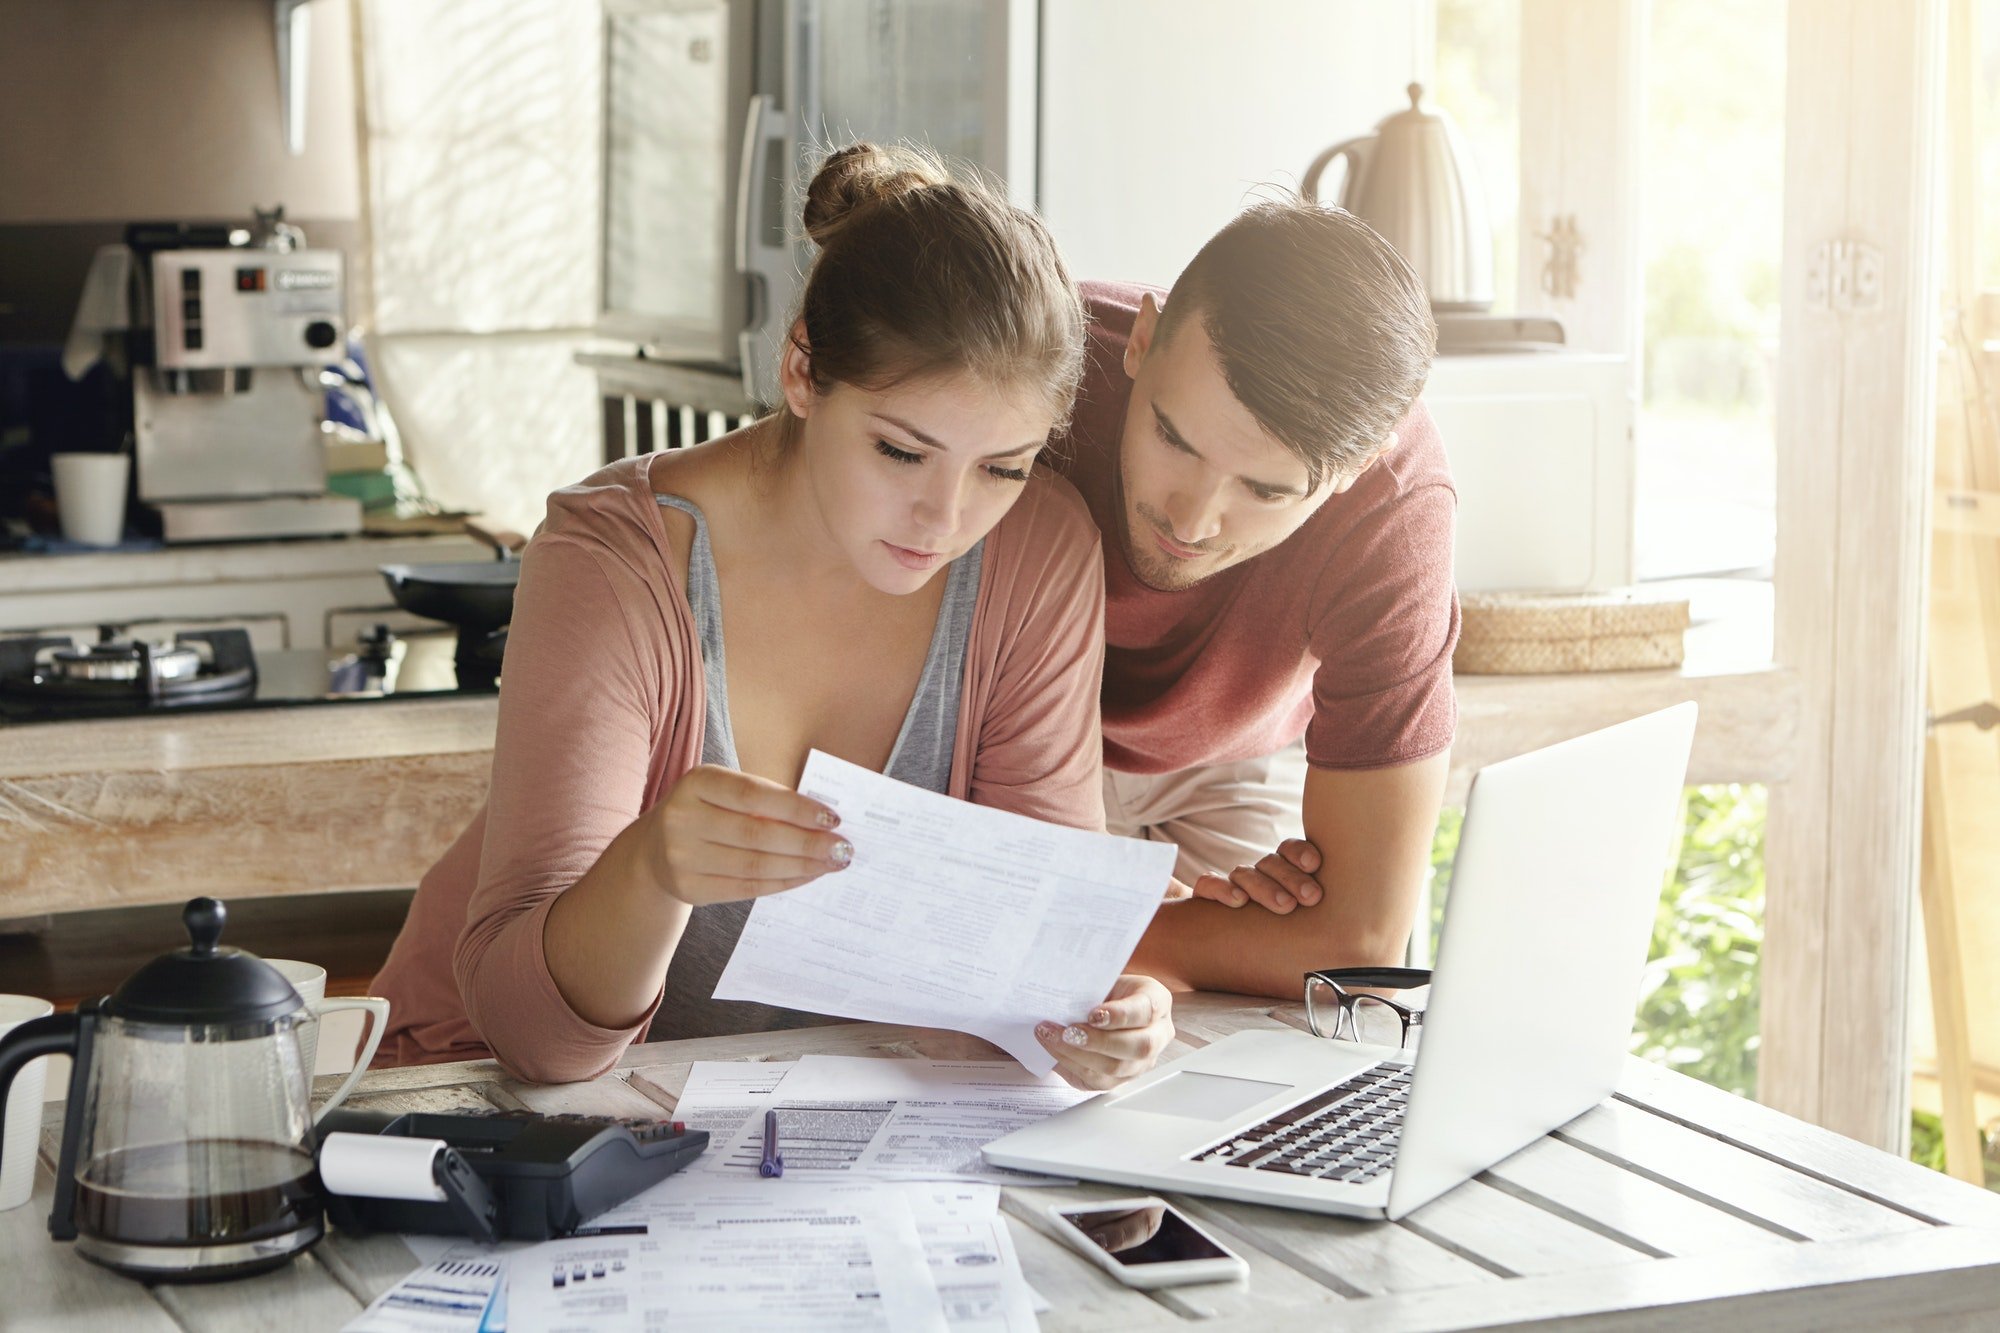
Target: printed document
(847, 1115)
(950, 915)
(965, 1240)
(727, 1098)
(972, 1258)
(452, 1293)
(717, 1256)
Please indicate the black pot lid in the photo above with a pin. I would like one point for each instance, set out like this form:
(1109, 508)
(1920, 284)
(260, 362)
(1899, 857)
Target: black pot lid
(207, 982)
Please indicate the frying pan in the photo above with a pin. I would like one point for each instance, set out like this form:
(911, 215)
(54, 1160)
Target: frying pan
(475, 595)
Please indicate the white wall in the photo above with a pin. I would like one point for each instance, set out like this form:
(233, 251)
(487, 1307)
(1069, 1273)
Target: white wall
(1161, 117)
(483, 207)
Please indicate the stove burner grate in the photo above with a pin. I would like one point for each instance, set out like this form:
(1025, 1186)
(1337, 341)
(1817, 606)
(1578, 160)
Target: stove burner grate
(209, 666)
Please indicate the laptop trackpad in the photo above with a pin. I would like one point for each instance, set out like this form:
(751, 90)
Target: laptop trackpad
(1200, 1096)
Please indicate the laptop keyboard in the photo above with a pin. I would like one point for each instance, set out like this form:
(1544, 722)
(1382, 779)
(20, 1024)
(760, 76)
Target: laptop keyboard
(1347, 1133)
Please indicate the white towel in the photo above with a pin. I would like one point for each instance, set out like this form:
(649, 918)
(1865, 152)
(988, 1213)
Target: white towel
(100, 310)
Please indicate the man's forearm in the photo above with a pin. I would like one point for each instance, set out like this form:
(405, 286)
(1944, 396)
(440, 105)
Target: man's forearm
(1202, 945)
(1373, 833)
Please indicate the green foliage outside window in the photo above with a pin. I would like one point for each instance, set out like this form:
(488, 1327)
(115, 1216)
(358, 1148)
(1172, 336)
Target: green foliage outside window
(1698, 1006)
(1927, 1146)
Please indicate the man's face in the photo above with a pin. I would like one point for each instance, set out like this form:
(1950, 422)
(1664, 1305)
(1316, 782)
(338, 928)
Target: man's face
(1205, 486)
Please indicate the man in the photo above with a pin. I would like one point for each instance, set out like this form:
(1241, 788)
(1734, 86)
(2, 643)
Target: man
(1277, 514)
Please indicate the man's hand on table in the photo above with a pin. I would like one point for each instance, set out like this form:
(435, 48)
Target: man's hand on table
(1279, 882)
(1121, 1039)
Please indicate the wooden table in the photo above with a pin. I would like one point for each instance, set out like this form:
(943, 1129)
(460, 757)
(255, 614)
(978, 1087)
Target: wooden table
(1672, 1206)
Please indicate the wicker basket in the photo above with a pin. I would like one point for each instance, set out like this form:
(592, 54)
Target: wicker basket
(1522, 633)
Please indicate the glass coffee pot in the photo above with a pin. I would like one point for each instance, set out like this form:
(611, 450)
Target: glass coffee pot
(187, 1149)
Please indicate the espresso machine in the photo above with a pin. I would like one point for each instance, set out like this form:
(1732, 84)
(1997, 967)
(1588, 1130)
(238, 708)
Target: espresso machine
(231, 329)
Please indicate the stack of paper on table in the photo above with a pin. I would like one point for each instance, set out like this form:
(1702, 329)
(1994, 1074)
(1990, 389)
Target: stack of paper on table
(899, 1229)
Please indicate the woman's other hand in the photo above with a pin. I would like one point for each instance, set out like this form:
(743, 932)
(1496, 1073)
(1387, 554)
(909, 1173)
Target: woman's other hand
(1121, 1039)
(721, 836)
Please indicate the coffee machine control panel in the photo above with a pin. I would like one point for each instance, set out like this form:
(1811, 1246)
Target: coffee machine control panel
(227, 308)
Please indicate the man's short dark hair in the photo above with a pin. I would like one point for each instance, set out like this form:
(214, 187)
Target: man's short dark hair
(1324, 332)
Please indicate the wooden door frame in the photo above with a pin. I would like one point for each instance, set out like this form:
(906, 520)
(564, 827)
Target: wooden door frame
(1855, 385)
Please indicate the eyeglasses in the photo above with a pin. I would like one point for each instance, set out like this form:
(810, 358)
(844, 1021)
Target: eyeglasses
(1333, 1009)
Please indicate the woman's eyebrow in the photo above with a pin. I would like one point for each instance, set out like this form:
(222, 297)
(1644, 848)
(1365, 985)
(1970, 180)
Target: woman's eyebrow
(923, 438)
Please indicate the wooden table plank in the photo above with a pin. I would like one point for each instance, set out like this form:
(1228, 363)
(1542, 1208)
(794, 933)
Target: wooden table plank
(302, 1295)
(450, 1097)
(610, 1095)
(1614, 1202)
(1892, 1181)
(1202, 1019)
(1513, 1237)
(1756, 1189)
(417, 1076)
(1346, 1255)
(46, 1286)
(1933, 1280)
(366, 1266)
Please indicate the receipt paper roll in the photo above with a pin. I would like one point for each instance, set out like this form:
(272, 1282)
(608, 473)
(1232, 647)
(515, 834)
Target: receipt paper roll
(381, 1166)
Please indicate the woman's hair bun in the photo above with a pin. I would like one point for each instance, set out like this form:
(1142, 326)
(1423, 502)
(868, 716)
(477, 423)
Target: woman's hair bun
(862, 174)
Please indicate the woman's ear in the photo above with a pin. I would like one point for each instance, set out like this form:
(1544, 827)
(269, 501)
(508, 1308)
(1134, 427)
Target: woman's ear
(795, 378)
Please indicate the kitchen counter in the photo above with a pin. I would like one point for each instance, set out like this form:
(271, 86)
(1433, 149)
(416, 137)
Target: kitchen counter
(335, 797)
(126, 811)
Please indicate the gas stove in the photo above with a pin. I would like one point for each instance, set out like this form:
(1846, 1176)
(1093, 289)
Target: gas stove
(54, 678)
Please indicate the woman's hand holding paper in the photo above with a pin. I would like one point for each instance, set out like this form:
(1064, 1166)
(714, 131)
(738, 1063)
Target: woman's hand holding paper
(1121, 1039)
(721, 835)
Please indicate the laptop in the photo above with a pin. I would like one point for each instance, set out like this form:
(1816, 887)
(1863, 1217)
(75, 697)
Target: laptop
(1560, 865)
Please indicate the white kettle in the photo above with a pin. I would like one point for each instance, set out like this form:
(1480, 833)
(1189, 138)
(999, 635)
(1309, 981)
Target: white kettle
(1409, 182)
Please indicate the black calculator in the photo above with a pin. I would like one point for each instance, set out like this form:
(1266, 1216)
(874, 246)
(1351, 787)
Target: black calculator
(514, 1175)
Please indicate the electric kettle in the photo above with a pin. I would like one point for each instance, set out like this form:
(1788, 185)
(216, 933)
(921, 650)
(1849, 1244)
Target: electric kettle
(187, 1150)
(1408, 180)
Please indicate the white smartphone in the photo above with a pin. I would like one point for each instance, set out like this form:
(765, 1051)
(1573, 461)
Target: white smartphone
(1146, 1242)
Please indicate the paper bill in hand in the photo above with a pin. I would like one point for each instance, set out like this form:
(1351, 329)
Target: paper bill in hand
(951, 915)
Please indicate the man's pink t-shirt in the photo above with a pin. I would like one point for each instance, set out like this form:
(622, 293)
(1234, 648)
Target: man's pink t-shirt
(1342, 633)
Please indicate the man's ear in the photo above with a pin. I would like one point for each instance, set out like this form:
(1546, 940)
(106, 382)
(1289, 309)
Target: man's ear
(795, 378)
(1345, 482)
(1144, 326)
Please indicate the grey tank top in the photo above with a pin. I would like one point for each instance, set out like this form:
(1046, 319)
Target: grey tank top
(921, 757)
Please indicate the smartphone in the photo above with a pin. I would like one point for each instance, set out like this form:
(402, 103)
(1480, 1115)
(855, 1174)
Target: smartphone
(1146, 1242)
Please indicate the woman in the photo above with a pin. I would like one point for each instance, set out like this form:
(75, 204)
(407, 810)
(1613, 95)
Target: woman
(871, 571)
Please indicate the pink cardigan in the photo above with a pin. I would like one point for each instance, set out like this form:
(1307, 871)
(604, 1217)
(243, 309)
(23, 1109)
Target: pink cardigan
(603, 710)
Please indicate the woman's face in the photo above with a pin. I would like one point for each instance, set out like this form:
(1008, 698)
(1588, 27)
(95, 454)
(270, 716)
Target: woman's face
(907, 479)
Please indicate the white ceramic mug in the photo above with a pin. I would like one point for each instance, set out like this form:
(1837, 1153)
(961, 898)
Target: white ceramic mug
(309, 980)
(90, 496)
(23, 1134)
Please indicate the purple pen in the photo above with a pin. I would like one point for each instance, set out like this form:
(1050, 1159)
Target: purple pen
(774, 1161)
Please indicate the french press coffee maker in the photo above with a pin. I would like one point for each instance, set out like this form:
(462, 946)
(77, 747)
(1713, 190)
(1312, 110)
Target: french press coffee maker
(187, 1150)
